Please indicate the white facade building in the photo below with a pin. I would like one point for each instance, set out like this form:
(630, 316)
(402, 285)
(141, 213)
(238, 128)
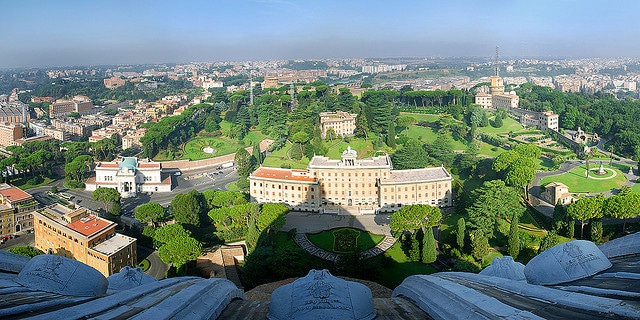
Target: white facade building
(130, 176)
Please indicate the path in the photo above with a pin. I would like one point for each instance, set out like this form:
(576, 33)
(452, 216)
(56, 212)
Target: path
(303, 241)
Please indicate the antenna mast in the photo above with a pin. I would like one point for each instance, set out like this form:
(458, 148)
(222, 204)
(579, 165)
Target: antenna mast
(496, 65)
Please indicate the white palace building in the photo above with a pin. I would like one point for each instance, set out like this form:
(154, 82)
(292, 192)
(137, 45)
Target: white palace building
(351, 185)
(130, 175)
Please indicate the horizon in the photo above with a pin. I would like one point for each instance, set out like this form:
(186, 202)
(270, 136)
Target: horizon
(80, 33)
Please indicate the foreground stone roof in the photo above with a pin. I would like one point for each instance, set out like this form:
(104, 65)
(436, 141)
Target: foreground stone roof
(585, 287)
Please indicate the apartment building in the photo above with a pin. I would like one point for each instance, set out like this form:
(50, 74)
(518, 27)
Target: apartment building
(80, 104)
(352, 185)
(81, 235)
(343, 123)
(10, 132)
(16, 209)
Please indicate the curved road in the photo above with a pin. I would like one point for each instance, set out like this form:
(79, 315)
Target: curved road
(157, 268)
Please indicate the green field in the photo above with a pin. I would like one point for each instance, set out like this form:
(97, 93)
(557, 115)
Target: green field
(278, 158)
(422, 116)
(577, 181)
(398, 267)
(508, 124)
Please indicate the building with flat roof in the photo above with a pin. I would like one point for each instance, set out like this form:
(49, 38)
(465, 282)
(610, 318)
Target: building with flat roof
(16, 209)
(130, 175)
(10, 132)
(357, 186)
(82, 235)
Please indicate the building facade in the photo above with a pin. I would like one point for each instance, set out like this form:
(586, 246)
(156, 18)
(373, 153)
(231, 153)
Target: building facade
(81, 235)
(343, 123)
(129, 176)
(10, 132)
(80, 104)
(351, 185)
(16, 209)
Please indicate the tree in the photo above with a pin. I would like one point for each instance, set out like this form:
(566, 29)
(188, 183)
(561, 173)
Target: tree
(497, 123)
(331, 134)
(257, 155)
(410, 156)
(244, 163)
(596, 230)
(585, 209)
(169, 232)
(116, 209)
(514, 239)
(178, 251)
(414, 217)
(150, 212)
(460, 232)
(550, 240)
(272, 217)
(492, 201)
(479, 245)
(107, 196)
(622, 206)
(429, 252)
(559, 217)
(187, 208)
(26, 251)
(406, 122)
(391, 135)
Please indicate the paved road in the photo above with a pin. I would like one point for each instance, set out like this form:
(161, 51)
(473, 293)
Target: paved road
(313, 223)
(157, 268)
(23, 239)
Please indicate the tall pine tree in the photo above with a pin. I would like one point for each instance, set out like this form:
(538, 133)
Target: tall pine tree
(514, 238)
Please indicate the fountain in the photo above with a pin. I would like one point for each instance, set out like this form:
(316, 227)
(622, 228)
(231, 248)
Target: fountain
(601, 171)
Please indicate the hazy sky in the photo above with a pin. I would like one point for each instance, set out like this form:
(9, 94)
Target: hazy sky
(82, 32)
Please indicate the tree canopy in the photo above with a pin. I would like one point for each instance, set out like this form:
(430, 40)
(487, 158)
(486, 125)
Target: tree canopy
(414, 217)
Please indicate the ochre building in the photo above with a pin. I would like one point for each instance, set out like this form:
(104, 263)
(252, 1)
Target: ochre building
(82, 235)
(16, 209)
(351, 185)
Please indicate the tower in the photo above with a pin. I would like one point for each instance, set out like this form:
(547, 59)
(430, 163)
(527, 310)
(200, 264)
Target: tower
(497, 86)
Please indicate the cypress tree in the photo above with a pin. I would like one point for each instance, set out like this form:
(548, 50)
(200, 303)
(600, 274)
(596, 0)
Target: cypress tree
(550, 240)
(596, 230)
(514, 238)
(429, 252)
(391, 135)
(414, 249)
(571, 228)
(479, 245)
(460, 233)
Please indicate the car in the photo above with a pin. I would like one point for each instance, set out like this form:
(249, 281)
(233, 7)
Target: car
(177, 173)
(220, 172)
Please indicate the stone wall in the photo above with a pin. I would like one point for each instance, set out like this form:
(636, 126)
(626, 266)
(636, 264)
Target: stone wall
(188, 165)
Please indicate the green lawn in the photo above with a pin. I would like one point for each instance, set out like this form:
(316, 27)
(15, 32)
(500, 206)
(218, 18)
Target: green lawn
(144, 265)
(508, 125)
(363, 147)
(427, 135)
(221, 145)
(277, 158)
(25, 184)
(327, 239)
(422, 116)
(578, 182)
(398, 267)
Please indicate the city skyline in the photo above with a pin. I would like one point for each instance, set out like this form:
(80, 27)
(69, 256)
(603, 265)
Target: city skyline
(45, 34)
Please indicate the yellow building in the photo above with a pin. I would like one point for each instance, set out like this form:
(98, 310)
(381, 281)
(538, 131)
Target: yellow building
(16, 209)
(342, 123)
(82, 235)
(352, 185)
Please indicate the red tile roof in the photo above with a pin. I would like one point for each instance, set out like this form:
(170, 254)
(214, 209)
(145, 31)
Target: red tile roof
(89, 225)
(148, 165)
(282, 174)
(14, 194)
(107, 165)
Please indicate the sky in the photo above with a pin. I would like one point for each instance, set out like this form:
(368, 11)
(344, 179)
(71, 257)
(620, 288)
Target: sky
(44, 33)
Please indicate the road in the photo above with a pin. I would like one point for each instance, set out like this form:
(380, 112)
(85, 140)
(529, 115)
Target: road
(22, 239)
(157, 268)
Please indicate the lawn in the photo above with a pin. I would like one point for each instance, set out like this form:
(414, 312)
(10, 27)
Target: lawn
(329, 240)
(398, 267)
(427, 135)
(221, 146)
(508, 125)
(363, 147)
(27, 183)
(578, 182)
(278, 158)
(422, 116)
